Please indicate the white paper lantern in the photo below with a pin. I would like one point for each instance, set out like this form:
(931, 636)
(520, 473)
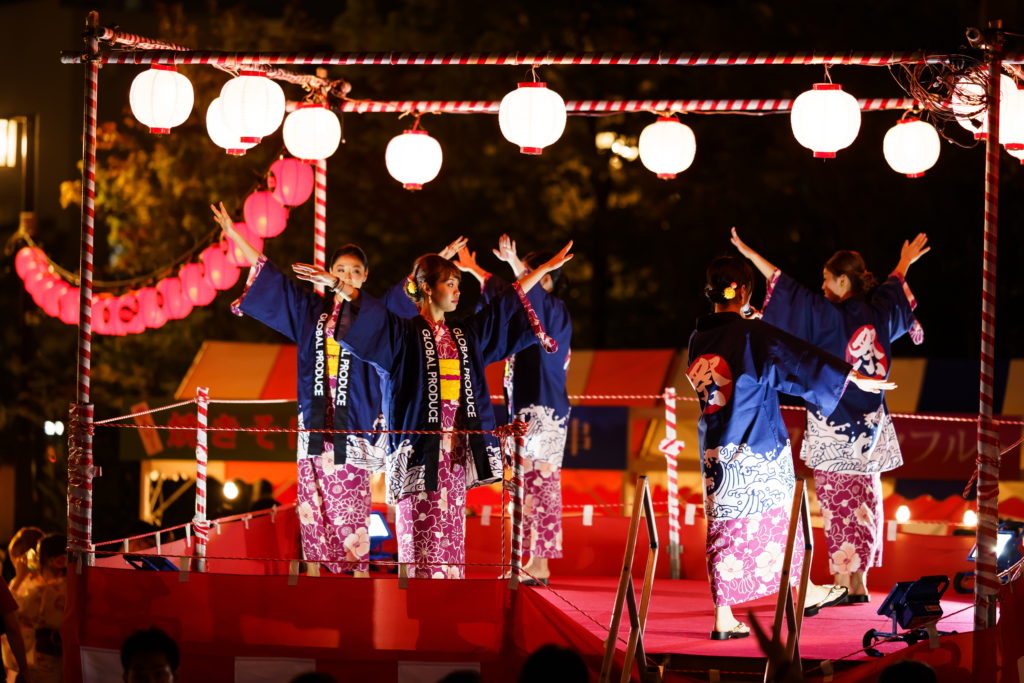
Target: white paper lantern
(911, 147)
(413, 158)
(532, 117)
(968, 101)
(253, 105)
(1011, 119)
(222, 134)
(825, 119)
(161, 98)
(971, 112)
(312, 132)
(1019, 153)
(667, 147)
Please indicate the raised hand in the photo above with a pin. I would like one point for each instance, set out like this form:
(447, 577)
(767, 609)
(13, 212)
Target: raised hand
(558, 260)
(466, 262)
(506, 250)
(452, 249)
(223, 218)
(871, 385)
(915, 249)
(759, 261)
(316, 275)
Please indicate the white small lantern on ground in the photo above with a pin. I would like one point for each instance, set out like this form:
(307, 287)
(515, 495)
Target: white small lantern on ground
(221, 134)
(911, 147)
(413, 158)
(532, 117)
(825, 119)
(253, 105)
(312, 132)
(161, 98)
(667, 147)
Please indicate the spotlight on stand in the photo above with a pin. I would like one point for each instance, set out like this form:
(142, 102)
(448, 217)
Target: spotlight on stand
(380, 532)
(1009, 550)
(911, 605)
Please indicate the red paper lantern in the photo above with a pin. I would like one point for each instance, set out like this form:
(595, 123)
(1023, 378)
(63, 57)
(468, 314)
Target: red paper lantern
(104, 319)
(291, 181)
(220, 273)
(235, 255)
(176, 304)
(126, 310)
(37, 280)
(70, 306)
(194, 285)
(28, 260)
(264, 214)
(50, 298)
(151, 308)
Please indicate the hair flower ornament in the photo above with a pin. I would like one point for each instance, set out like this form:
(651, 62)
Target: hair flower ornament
(410, 287)
(729, 292)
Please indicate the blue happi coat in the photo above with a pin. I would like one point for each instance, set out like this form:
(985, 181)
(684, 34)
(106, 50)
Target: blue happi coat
(403, 350)
(304, 316)
(534, 384)
(737, 367)
(858, 436)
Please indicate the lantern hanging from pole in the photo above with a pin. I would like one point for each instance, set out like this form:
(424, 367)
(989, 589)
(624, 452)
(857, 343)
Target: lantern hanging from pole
(38, 280)
(532, 117)
(218, 271)
(911, 147)
(825, 119)
(667, 147)
(264, 215)
(253, 105)
(151, 310)
(312, 132)
(222, 134)
(126, 311)
(176, 305)
(50, 300)
(1011, 118)
(161, 98)
(236, 255)
(104, 320)
(968, 104)
(29, 260)
(70, 306)
(413, 158)
(291, 181)
(194, 285)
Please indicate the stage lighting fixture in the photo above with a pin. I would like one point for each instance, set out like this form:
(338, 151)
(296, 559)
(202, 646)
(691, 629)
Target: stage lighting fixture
(911, 605)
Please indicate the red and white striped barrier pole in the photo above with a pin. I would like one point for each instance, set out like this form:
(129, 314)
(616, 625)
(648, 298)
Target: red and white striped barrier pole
(671, 447)
(81, 469)
(986, 587)
(200, 525)
(320, 217)
(608, 106)
(518, 498)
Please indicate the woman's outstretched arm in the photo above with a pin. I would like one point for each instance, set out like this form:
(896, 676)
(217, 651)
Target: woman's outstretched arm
(760, 262)
(252, 255)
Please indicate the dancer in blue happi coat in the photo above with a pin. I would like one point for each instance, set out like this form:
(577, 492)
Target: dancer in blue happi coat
(857, 319)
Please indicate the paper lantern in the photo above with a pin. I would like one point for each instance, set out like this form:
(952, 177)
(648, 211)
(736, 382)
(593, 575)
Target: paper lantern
(161, 98)
(1011, 119)
(151, 309)
(264, 215)
(312, 132)
(104, 320)
(291, 181)
(221, 133)
(39, 280)
(911, 147)
(968, 103)
(176, 304)
(236, 255)
(218, 271)
(253, 105)
(532, 117)
(126, 311)
(27, 260)
(413, 158)
(667, 147)
(70, 306)
(194, 285)
(51, 298)
(43, 288)
(825, 119)
(1019, 153)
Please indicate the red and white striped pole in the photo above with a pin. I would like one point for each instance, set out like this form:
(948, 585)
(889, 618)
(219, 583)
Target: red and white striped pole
(518, 498)
(986, 587)
(320, 217)
(200, 525)
(81, 469)
(671, 447)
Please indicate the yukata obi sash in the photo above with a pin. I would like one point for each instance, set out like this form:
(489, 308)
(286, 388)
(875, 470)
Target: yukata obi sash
(331, 360)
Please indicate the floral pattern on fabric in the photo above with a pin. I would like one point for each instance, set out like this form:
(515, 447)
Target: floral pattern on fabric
(745, 556)
(431, 525)
(334, 513)
(542, 509)
(851, 508)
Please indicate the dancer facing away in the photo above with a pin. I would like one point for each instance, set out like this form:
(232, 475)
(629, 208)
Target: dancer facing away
(737, 367)
(535, 393)
(333, 469)
(849, 449)
(434, 381)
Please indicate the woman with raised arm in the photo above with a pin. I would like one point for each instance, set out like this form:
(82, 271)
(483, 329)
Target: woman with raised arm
(858, 320)
(535, 393)
(434, 382)
(737, 368)
(335, 391)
